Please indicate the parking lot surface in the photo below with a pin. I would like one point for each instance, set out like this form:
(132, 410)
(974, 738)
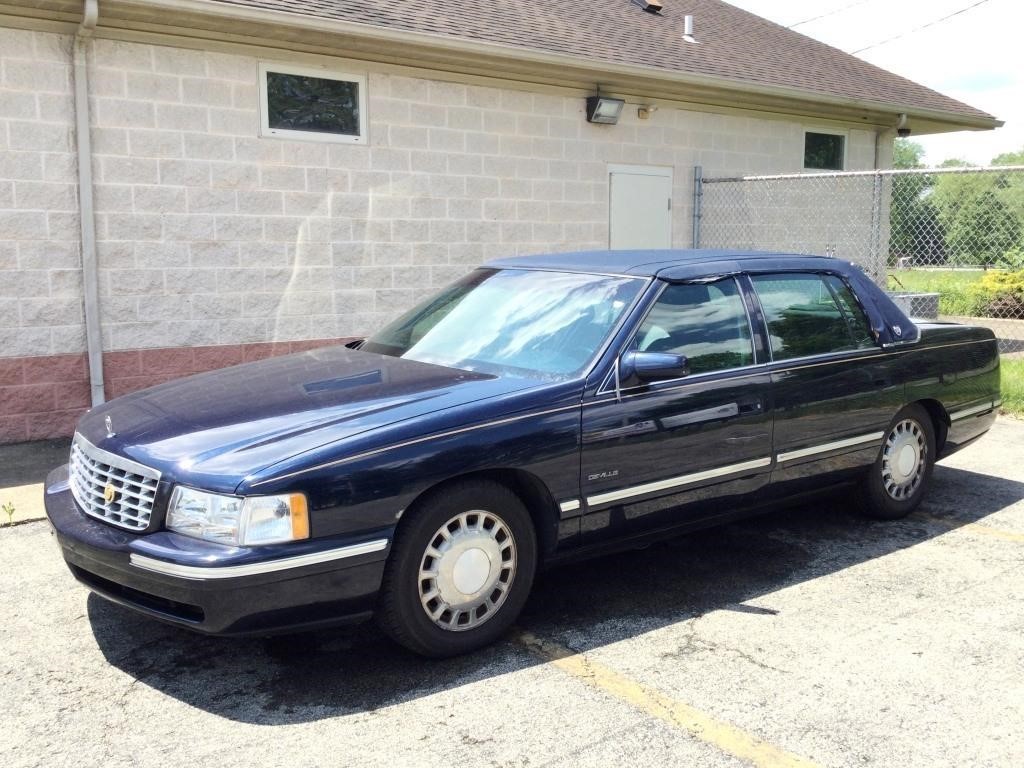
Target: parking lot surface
(807, 636)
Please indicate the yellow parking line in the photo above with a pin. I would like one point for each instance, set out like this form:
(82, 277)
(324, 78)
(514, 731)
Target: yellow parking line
(981, 530)
(724, 736)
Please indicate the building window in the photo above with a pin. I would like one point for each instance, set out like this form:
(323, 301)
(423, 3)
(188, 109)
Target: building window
(824, 151)
(312, 104)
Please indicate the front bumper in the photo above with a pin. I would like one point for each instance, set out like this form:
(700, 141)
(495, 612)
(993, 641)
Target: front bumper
(214, 588)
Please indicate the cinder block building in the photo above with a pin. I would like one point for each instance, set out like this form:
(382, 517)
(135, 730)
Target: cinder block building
(189, 184)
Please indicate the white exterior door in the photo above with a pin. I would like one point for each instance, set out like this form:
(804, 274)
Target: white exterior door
(640, 207)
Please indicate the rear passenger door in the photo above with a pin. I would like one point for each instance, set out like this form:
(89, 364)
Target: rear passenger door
(694, 442)
(834, 389)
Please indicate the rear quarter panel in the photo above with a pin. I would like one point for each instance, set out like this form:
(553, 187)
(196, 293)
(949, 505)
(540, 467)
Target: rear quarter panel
(958, 366)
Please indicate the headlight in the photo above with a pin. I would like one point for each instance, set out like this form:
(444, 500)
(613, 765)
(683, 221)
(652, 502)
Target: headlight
(238, 520)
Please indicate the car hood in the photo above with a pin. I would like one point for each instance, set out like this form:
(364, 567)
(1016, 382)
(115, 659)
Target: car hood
(215, 428)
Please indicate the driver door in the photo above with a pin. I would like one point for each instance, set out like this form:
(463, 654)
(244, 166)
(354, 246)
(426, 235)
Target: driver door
(659, 453)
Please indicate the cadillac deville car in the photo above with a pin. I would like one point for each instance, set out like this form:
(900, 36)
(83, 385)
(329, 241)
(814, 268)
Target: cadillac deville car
(539, 409)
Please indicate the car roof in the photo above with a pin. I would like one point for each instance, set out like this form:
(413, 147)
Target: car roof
(667, 264)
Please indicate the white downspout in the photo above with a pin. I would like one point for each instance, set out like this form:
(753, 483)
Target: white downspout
(86, 209)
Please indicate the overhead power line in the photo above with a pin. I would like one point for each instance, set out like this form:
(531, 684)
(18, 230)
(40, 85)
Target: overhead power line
(829, 13)
(918, 29)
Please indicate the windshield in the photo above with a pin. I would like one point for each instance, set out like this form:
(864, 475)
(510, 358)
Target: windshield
(512, 322)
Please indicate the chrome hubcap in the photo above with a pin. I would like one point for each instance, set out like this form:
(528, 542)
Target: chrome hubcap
(903, 459)
(467, 570)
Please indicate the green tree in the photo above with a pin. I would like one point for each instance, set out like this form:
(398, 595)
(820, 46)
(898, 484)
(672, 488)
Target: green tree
(907, 154)
(981, 214)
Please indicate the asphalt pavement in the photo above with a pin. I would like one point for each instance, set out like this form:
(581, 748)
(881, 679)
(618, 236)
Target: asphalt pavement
(807, 636)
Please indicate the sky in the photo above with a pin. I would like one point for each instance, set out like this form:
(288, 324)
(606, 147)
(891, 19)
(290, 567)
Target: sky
(976, 57)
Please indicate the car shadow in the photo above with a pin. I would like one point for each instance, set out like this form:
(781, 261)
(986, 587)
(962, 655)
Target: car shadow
(303, 678)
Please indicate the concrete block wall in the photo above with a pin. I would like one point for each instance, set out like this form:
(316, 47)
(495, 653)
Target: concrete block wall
(212, 236)
(40, 277)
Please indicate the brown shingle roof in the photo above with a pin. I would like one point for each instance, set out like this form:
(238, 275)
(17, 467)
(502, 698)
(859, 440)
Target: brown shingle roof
(733, 44)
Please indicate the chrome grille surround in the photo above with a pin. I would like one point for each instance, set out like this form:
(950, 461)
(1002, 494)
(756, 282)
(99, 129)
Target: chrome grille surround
(93, 472)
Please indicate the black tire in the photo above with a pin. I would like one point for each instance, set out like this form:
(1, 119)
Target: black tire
(882, 495)
(403, 611)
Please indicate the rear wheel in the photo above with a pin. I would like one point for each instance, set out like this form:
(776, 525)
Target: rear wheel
(460, 570)
(898, 480)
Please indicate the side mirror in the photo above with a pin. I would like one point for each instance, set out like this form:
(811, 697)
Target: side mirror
(652, 366)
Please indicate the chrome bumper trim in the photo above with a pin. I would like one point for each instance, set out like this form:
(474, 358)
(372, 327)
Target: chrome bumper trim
(202, 573)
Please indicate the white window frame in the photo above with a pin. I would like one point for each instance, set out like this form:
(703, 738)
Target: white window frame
(324, 74)
(827, 132)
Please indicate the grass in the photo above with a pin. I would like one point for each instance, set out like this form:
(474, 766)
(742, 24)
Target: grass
(952, 285)
(1012, 386)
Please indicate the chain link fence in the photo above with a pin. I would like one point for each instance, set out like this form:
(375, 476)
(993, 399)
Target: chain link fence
(948, 243)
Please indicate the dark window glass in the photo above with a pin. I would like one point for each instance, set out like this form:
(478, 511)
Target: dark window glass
(317, 104)
(823, 151)
(860, 328)
(802, 315)
(707, 323)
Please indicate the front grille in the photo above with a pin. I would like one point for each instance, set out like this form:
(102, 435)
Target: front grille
(110, 487)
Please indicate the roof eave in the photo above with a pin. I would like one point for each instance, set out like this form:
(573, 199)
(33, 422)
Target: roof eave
(475, 57)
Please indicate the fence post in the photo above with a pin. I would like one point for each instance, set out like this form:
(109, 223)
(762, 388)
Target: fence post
(698, 198)
(876, 230)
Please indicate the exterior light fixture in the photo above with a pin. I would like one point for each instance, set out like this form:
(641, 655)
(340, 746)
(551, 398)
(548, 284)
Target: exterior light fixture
(601, 109)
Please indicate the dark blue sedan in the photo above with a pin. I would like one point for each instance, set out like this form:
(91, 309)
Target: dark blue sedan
(538, 409)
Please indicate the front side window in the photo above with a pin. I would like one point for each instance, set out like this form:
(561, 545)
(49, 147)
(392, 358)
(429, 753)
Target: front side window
(312, 104)
(824, 151)
(804, 317)
(705, 322)
(512, 322)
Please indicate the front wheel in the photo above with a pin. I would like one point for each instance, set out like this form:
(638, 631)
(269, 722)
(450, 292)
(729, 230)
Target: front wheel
(898, 480)
(460, 570)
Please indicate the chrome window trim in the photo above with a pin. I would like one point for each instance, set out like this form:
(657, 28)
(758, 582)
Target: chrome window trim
(202, 573)
(674, 482)
(826, 447)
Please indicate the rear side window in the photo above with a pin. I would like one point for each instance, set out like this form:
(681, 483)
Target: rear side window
(707, 323)
(857, 321)
(805, 316)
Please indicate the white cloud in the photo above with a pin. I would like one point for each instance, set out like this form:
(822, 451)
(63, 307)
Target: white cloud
(973, 57)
